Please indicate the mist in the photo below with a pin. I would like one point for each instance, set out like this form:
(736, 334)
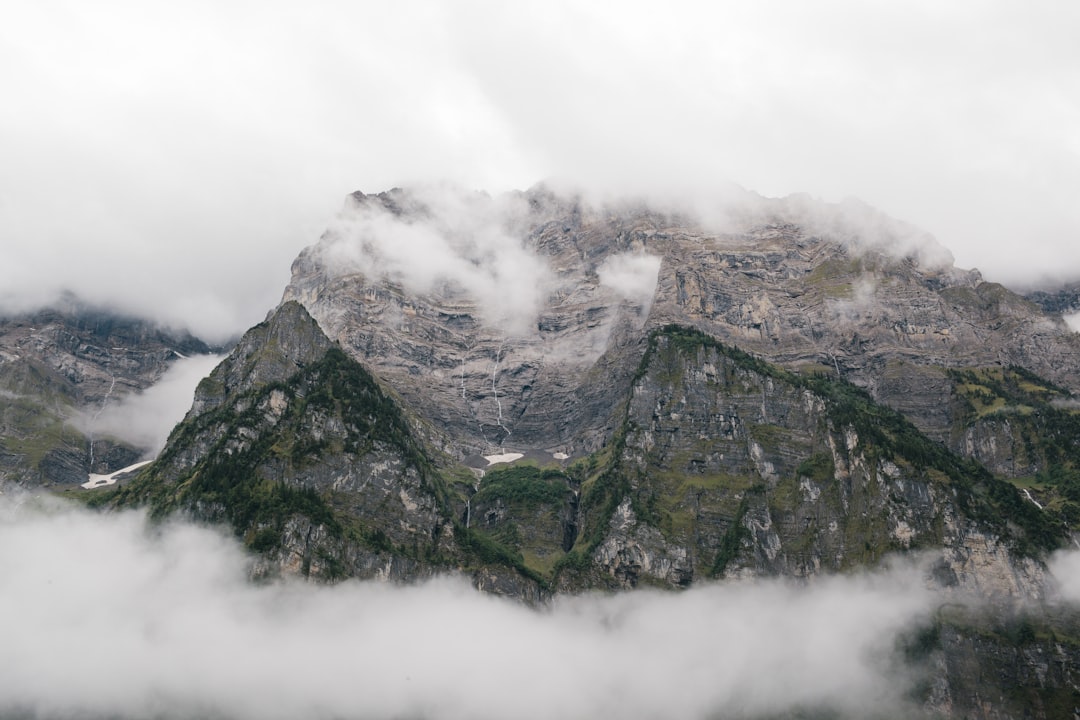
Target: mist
(111, 616)
(632, 277)
(145, 419)
(462, 245)
(172, 161)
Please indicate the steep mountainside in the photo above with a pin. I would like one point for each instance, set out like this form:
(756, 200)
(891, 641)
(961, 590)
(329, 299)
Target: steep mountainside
(58, 364)
(727, 465)
(317, 468)
(721, 465)
(803, 285)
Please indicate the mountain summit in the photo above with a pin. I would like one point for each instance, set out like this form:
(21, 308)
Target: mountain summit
(513, 321)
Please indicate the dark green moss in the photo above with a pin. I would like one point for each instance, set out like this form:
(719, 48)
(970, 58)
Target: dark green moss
(524, 485)
(229, 482)
(487, 550)
(819, 467)
(732, 541)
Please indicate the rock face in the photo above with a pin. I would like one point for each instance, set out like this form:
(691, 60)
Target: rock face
(729, 466)
(298, 449)
(799, 284)
(1063, 300)
(58, 364)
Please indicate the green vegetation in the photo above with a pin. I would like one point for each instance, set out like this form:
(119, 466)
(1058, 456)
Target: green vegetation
(233, 480)
(834, 276)
(41, 425)
(819, 467)
(1044, 424)
(732, 541)
(770, 437)
(488, 550)
(885, 433)
(524, 485)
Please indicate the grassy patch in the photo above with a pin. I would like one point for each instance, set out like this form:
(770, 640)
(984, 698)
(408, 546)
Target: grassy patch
(526, 485)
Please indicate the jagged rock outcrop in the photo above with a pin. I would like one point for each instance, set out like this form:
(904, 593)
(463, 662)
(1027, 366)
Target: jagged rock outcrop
(72, 361)
(729, 466)
(1062, 301)
(298, 448)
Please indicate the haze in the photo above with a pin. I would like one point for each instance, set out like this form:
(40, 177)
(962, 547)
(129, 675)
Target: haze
(174, 159)
(109, 617)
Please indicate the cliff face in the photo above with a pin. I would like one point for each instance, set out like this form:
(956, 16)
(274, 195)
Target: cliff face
(298, 449)
(797, 283)
(720, 464)
(57, 365)
(727, 466)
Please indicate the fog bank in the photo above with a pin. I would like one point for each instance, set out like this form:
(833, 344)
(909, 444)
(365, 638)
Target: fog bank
(145, 419)
(106, 616)
(172, 160)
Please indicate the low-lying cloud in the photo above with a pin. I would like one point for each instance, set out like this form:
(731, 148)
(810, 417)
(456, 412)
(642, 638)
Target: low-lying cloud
(105, 615)
(860, 304)
(145, 419)
(454, 245)
(632, 276)
(1065, 567)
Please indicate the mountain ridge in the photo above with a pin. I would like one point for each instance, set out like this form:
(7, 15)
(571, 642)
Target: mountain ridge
(60, 367)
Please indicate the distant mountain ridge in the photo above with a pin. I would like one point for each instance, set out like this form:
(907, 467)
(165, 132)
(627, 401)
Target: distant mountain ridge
(72, 359)
(1063, 300)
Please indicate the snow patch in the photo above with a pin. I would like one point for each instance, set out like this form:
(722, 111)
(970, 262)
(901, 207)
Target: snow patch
(95, 480)
(504, 458)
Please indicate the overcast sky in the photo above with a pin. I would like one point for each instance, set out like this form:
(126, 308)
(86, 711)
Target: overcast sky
(173, 158)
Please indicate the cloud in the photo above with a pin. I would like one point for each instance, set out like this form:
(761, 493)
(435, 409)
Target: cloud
(1064, 566)
(861, 303)
(1073, 321)
(632, 277)
(108, 616)
(174, 161)
(145, 419)
(457, 245)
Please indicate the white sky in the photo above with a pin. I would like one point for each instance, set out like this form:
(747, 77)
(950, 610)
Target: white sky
(173, 158)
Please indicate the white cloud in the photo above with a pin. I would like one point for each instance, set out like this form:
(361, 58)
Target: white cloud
(145, 419)
(1073, 321)
(140, 621)
(1064, 566)
(462, 245)
(632, 277)
(173, 160)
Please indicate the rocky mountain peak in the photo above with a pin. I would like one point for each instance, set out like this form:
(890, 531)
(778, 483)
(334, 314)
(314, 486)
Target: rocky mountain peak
(510, 316)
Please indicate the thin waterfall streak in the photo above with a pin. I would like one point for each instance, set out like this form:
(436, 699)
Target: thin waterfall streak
(93, 420)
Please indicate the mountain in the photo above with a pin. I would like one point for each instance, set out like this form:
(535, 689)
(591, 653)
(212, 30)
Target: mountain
(552, 396)
(66, 364)
(798, 284)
